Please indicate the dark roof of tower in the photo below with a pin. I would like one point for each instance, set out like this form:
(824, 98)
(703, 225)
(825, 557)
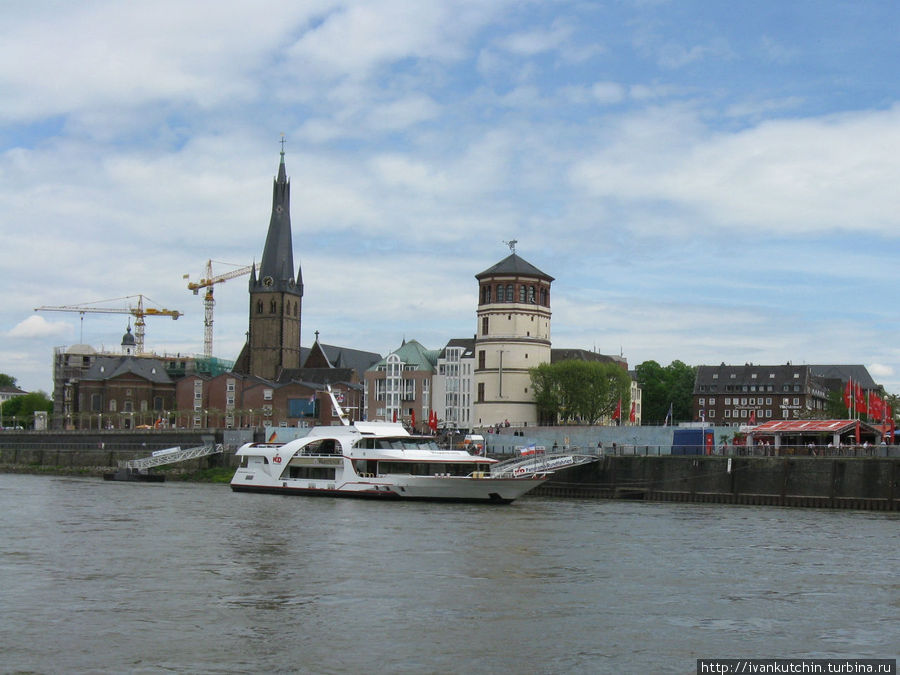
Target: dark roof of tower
(128, 338)
(278, 254)
(514, 265)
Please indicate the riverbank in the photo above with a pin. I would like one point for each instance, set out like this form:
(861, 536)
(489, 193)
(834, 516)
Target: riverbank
(868, 483)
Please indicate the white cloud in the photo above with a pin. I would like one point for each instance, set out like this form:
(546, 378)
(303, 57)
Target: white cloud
(608, 92)
(38, 327)
(83, 56)
(790, 176)
(880, 370)
(538, 41)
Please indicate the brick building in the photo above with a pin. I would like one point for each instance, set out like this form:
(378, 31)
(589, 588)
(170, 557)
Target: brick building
(753, 393)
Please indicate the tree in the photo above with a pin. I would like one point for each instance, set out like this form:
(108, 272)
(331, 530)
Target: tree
(7, 380)
(22, 408)
(655, 396)
(579, 390)
(834, 406)
(661, 387)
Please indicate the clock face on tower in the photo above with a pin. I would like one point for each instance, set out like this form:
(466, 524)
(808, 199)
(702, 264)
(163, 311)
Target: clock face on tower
(268, 281)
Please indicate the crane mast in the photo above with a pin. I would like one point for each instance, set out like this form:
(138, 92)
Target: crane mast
(209, 301)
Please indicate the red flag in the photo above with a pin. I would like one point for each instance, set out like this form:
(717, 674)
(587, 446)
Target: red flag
(618, 414)
(395, 416)
(848, 394)
(412, 417)
(860, 399)
(876, 407)
(631, 415)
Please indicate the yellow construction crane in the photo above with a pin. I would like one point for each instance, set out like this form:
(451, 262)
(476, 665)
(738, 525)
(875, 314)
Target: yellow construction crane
(209, 302)
(137, 311)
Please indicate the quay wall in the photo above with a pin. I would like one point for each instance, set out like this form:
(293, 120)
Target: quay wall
(95, 453)
(871, 483)
(826, 482)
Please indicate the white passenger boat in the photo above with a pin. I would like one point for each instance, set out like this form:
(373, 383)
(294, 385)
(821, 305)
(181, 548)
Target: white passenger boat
(376, 459)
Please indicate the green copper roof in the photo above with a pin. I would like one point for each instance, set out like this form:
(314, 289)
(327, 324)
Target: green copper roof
(413, 354)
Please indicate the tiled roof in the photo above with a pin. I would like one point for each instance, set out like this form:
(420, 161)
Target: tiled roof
(516, 266)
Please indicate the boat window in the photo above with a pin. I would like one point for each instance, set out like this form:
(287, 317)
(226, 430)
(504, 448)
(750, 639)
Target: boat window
(426, 468)
(326, 446)
(314, 472)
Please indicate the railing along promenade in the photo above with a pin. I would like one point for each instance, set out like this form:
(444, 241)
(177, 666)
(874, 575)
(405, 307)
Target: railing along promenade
(623, 450)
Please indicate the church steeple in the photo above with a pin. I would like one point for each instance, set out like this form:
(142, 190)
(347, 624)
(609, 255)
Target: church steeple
(273, 341)
(276, 269)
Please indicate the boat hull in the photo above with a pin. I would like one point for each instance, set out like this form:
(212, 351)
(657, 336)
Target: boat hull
(420, 488)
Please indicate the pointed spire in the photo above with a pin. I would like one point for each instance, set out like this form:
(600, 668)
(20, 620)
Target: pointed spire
(276, 267)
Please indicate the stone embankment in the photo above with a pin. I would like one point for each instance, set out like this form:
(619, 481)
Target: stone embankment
(869, 483)
(96, 453)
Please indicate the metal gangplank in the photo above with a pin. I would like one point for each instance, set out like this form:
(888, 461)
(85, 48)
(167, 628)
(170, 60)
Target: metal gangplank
(172, 456)
(516, 467)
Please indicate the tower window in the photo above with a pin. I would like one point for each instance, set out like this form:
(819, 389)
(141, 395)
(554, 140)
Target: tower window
(484, 326)
(522, 293)
(481, 359)
(273, 307)
(500, 295)
(509, 293)
(531, 295)
(259, 306)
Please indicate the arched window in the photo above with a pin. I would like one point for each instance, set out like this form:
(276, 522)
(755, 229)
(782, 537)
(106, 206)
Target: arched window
(259, 306)
(272, 306)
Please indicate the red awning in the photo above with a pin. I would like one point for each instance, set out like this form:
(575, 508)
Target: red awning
(810, 427)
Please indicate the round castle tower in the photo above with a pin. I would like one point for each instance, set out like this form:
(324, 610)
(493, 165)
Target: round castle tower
(513, 335)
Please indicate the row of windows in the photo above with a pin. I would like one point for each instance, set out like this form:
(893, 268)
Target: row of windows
(127, 406)
(753, 376)
(291, 308)
(750, 387)
(745, 414)
(506, 293)
(747, 401)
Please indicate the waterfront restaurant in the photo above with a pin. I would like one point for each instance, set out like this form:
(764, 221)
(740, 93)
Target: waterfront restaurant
(799, 434)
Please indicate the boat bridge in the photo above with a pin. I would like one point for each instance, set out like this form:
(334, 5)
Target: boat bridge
(172, 456)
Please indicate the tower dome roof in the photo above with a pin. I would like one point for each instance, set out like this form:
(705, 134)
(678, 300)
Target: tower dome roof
(513, 264)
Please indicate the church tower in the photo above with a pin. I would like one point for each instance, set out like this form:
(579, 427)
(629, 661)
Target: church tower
(513, 335)
(273, 341)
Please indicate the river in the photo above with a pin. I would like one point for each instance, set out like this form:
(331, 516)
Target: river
(100, 577)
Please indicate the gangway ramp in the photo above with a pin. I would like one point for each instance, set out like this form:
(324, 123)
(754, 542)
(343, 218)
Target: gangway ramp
(172, 456)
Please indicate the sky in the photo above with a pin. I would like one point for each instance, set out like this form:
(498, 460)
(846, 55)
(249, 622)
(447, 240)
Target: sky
(706, 181)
